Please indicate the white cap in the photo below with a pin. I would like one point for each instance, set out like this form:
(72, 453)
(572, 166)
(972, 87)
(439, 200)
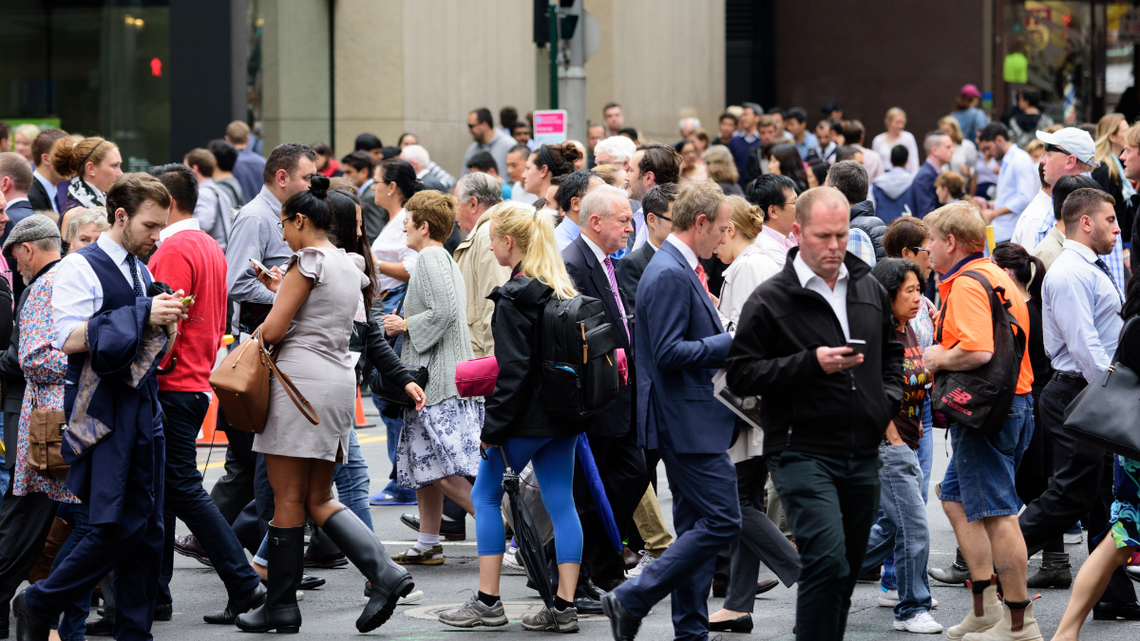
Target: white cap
(1077, 142)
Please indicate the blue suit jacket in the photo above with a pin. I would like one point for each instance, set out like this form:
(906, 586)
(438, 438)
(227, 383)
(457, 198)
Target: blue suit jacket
(923, 195)
(681, 344)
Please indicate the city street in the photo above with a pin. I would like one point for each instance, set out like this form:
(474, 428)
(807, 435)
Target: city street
(331, 611)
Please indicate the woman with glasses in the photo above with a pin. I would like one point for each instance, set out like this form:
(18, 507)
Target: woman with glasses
(317, 296)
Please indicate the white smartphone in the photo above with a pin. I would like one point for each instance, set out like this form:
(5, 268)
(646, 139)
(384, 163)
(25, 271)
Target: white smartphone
(258, 264)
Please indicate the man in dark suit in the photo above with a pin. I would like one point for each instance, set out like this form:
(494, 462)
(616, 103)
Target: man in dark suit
(682, 343)
(657, 206)
(606, 222)
(43, 194)
(15, 181)
(939, 151)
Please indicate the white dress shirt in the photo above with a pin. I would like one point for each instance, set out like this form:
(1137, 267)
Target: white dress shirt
(775, 245)
(1032, 219)
(686, 251)
(836, 298)
(1017, 185)
(1080, 313)
(391, 246)
(174, 228)
(78, 294)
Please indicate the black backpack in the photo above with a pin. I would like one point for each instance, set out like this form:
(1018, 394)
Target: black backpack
(579, 358)
(980, 399)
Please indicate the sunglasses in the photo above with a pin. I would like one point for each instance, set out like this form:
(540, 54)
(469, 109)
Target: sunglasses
(1057, 150)
(917, 249)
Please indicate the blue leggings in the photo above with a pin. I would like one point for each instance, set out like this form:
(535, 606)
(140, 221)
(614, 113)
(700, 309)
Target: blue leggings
(554, 469)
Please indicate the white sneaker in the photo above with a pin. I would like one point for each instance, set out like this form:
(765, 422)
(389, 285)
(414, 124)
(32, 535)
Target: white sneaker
(412, 597)
(890, 598)
(641, 563)
(510, 560)
(921, 623)
(1075, 539)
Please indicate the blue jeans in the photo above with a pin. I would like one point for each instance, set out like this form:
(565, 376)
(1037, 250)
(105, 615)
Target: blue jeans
(901, 529)
(351, 479)
(393, 425)
(554, 469)
(925, 455)
(73, 625)
(982, 468)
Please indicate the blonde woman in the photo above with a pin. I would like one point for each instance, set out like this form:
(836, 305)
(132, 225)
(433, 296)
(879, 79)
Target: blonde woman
(516, 421)
(896, 134)
(22, 140)
(748, 265)
(965, 151)
(1110, 133)
(93, 164)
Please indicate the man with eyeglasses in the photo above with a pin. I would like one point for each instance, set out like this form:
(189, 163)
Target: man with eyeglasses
(488, 139)
(776, 195)
(1068, 152)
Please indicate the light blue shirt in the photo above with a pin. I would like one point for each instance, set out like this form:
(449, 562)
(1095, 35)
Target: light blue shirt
(565, 233)
(1114, 259)
(859, 243)
(1017, 186)
(1080, 313)
(810, 142)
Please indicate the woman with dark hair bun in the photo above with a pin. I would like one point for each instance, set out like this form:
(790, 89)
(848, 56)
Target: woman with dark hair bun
(546, 162)
(318, 293)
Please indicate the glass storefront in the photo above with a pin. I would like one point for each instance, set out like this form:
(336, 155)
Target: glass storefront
(98, 67)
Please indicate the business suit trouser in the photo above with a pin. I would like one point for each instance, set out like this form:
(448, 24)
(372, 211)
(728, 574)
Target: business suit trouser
(24, 525)
(706, 515)
(818, 493)
(760, 541)
(621, 465)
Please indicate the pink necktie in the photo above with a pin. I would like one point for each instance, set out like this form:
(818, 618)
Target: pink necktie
(617, 297)
(703, 277)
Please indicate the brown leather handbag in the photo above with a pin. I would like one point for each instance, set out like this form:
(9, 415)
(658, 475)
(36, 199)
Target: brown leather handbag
(45, 437)
(241, 383)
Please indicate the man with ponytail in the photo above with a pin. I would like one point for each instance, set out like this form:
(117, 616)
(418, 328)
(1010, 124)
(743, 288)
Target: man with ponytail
(682, 345)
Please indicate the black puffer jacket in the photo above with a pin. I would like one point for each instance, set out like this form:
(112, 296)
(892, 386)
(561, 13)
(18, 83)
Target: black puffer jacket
(863, 216)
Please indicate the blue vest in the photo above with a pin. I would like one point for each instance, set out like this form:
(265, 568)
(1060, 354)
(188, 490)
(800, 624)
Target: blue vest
(117, 292)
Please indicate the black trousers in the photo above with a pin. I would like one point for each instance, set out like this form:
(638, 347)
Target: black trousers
(235, 489)
(1082, 483)
(621, 465)
(24, 525)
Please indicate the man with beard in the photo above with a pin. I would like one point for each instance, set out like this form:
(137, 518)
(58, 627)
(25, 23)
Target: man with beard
(114, 336)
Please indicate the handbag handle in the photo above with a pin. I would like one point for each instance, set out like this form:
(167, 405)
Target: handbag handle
(294, 394)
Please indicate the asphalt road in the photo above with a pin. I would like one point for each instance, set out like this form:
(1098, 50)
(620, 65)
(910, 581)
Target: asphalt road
(330, 612)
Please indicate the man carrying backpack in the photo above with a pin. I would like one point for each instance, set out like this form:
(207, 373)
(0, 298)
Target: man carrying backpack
(978, 493)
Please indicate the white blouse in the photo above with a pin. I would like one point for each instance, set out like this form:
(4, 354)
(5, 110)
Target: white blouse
(391, 246)
(751, 268)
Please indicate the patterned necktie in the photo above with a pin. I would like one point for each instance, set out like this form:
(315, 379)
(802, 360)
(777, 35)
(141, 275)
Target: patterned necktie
(617, 297)
(703, 277)
(1104, 268)
(134, 274)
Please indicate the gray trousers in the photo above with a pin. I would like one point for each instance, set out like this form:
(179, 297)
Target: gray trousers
(760, 541)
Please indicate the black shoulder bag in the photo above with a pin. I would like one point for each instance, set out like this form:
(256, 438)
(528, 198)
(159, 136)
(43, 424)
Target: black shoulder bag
(980, 399)
(1107, 412)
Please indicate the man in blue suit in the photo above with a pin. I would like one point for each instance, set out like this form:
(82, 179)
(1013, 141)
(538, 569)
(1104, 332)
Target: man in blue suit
(939, 151)
(681, 344)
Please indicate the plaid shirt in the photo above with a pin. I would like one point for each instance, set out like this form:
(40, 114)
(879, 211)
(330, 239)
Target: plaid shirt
(859, 243)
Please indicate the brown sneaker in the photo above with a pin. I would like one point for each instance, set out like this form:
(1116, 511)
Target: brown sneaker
(413, 556)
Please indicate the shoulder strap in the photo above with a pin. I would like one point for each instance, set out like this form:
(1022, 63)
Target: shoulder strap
(997, 294)
(294, 394)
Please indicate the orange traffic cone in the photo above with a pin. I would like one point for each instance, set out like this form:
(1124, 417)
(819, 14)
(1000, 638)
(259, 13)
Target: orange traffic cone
(360, 420)
(210, 435)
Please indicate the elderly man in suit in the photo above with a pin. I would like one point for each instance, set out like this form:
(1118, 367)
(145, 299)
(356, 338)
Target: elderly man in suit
(681, 344)
(606, 222)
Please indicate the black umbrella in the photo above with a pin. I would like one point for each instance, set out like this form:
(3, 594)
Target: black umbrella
(527, 536)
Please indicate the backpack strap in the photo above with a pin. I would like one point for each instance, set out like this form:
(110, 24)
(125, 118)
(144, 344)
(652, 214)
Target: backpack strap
(1002, 303)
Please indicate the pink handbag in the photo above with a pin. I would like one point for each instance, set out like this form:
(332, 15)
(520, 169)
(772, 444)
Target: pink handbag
(477, 376)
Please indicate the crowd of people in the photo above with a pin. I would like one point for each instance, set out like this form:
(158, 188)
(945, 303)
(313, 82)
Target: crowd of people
(839, 284)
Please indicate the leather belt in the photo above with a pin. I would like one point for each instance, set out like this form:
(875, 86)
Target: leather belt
(1070, 378)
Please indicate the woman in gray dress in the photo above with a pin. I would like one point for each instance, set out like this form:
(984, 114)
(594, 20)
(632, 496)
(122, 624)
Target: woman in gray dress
(310, 323)
(439, 445)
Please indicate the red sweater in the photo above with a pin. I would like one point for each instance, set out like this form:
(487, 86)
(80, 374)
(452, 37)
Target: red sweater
(192, 261)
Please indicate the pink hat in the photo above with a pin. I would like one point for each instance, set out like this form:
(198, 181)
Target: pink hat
(970, 91)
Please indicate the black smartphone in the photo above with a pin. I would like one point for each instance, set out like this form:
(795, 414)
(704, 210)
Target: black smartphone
(858, 345)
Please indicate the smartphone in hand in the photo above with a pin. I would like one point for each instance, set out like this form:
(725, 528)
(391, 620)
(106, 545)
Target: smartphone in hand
(857, 345)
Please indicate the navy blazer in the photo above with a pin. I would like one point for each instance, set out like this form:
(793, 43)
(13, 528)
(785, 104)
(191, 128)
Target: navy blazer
(682, 344)
(924, 198)
(591, 279)
(630, 269)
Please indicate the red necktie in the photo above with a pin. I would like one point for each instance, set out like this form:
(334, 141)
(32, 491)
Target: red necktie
(703, 277)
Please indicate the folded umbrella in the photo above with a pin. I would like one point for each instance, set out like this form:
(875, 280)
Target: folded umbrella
(528, 537)
(598, 492)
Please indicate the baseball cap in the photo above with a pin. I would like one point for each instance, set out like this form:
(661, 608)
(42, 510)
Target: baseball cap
(1077, 142)
(33, 228)
(970, 91)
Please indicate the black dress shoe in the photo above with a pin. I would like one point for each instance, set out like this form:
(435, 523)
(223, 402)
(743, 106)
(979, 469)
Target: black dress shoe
(591, 590)
(1105, 611)
(720, 588)
(608, 585)
(29, 627)
(188, 545)
(449, 529)
(100, 628)
(163, 611)
(623, 625)
(586, 605)
(765, 586)
(308, 582)
(739, 624)
(326, 561)
(251, 600)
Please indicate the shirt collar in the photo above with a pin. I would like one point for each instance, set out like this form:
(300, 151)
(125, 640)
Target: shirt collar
(270, 199)
(43, 180)
(686, 251)
(777, 236)
(422, 173)
(13, 201)
(1084, 250)
(598, 253)
(962, 263)
(114, 250)
(182, 225)
(805, 273)
(361, 189)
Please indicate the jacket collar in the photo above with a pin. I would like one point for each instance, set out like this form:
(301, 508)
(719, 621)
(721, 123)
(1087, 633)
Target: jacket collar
(668, 249)
(856, 269)
(470, 238)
